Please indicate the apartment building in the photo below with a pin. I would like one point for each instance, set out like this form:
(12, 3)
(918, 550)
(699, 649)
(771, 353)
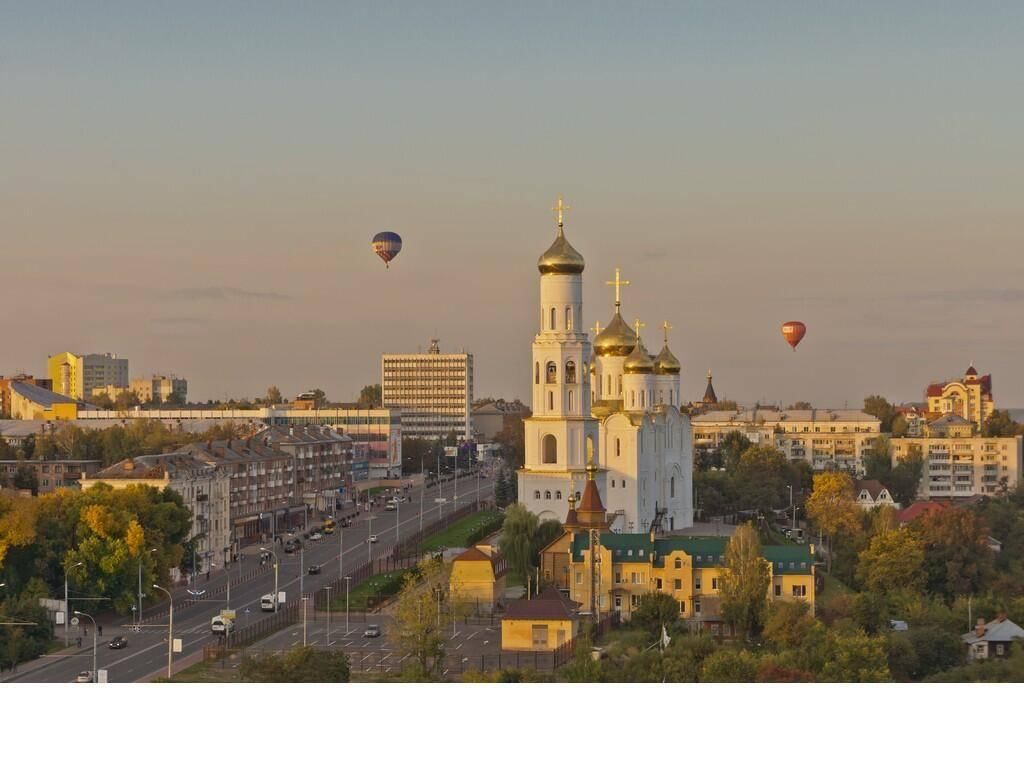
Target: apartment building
(49, 475)
(434, 392)
(322, 463)
(957, 467)
(76, 376)
(969, 396)
(160, 389)
(824, 438)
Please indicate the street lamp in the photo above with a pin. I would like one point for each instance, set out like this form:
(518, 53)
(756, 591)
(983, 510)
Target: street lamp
(348, 579)
(305, 602)
(274, 554)
(423, 492)
(791, 507)
(328, 591)
(341, 552)
(90, 618)
(170, 627)
(369, 542)
(66, 606)
(140, 584)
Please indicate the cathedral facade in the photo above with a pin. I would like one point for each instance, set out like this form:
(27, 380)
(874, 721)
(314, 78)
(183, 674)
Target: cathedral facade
(607, 405)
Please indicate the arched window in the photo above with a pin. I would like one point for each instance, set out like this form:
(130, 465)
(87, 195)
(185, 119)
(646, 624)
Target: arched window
(547, 494)
(672, 487)
(568, 318)
(550, 450)
(536, 494)
(570, 401)
(536, 373)
(570, 372)
(608, 385)
(618, 447)
(551, 401)
(642, 403)
(552, 374)
(620, 383)
(552, 318)
(558, 495)
(590, 449)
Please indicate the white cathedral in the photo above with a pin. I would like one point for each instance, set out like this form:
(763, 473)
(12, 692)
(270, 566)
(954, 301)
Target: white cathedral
(609, 404)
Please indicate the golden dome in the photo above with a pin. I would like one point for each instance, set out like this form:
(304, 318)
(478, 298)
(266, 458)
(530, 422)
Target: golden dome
(616, 340)
(638, 361)
(561, 258)
(666, 362)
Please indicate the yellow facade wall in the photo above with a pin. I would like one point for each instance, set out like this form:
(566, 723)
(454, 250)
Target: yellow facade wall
(474, 581)
(518, 634)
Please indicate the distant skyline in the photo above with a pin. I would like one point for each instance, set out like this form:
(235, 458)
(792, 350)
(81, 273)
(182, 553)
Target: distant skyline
(194, 187)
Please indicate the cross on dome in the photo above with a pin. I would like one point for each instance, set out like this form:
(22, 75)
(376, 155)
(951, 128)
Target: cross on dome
(638, 325)
(560, 209)
(619, 285)
(666, 327)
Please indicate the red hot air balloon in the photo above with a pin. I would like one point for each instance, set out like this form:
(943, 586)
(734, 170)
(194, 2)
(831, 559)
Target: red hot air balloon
(793, 332)
(387, 245)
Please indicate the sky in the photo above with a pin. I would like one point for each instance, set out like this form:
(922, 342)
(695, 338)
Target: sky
(194, 186)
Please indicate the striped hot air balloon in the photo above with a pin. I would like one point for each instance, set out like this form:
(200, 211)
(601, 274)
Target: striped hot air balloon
(793, 332)
(387, 245)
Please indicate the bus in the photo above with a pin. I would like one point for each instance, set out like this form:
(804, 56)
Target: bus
(328, 527)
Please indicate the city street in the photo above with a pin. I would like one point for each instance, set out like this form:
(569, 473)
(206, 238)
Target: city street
(146, 654)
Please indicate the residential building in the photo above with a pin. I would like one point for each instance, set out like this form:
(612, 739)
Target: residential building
(993, 640)
(76, 376)
(31, 402)
(950, 425)
(160, 389)
(478, 578)
(542, 623)
(871, 493)
(606, 403)
(204, 488)
(50, 474)
(962, 467)
(492, 418)
(5, 390)
(434, 392)
(824, 438)
(969, 397)
(322, 463)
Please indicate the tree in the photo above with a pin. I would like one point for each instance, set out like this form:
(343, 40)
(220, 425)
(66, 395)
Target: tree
(882, 409)
(25, 479)
(923, 651)
(517, 540)
(101, 400)
(125, 400)
(892, 559)
(729, 665)
(273, 396)
(319, 398)
(761, 477)
(801, 405)
(999, 424)
(656, 610)
(789, 625)
(957, 559)
(855, 658)
(832, 506)
(744, 581)
(733, 446)
(303, 664)
(176, 399)
(370, 396)
(416, 616)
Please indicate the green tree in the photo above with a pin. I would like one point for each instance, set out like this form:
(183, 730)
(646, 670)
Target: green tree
(744, 582)
(370, 396)
(176, 399)
(417, 626)
(303, 664)
(101, 400)
(729, 665)
(125, 400)
(517, 540)
(546, 533)
(656, 610)
(760, 479)
(833, 507)
(882, 409)
(733, 446)
(999, 424)
(25, 479)
(893, 558)
(855, 658)
(957, 559)
(273, 396)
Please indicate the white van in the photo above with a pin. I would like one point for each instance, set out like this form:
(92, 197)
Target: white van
(221, 626)
(267, 603)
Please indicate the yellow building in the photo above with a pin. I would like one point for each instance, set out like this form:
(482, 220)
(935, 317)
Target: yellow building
(478, 577)
(543, 623)
(31, 402)
(969, 397)
(689, 568)
(78, 375)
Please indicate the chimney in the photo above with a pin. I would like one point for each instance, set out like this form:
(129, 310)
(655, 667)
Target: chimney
(979, 629)
(1001, 616)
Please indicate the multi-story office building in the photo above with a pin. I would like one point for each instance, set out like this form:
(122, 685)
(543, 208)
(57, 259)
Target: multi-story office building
(434, 392)
(77, 376)
(826, 439)
(964, 466)
(160, 389)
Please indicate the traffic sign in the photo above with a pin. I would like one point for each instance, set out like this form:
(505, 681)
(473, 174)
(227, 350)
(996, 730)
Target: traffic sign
(74, 621)
(440, 501)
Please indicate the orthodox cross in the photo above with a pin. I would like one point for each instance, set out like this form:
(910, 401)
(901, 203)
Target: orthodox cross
(638, 325)
(666, 327)
(619, 284)
(560, 209)
(597, 328)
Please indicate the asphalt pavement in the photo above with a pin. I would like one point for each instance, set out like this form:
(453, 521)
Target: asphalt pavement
(145, 656)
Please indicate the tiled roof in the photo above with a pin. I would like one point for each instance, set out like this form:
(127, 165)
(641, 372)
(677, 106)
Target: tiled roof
(873, 487)
(151, 467)
(919, 508)
(591, 499)
(548, 605)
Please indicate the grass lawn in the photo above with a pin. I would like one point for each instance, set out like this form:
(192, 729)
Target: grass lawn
(209, 672)
(357, 597)
(455, 536)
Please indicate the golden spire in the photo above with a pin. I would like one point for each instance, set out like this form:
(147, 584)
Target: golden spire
(597, 328)
(560, 209)
(619, 284)
(666, 327)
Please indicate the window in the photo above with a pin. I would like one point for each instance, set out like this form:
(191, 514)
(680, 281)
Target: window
(1000, 649)
(696, 583)
(672, 487)
(778, 590)
(551, 401)
(634, 601)
(570, 372)
(799, 590)
(558, 495)
(696, 607)
(678, 563)
(536, 373)
(552, 318)
(550, 450)
(552, 373)
(547, 494)
(536, 494)
(632, 399)
(714, 584)
(677, 584)
(568, 318)
(613, 483)
(618, 577)
(618, 447)
(636, 578)
(579, 577)
(682, 607)
(657, 583)
(570, 401)
(618, 602)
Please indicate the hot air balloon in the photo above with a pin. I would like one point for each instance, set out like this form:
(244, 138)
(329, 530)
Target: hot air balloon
(793, 331)
(387, 245)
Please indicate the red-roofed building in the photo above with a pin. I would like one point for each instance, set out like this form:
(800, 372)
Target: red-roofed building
(969, 397)
(919, 508)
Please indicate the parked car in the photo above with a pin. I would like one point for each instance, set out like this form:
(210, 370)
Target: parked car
(84, 677)
(118, 642)
(391, 506)
(313, 570)
(372, 630)
(316, 536)
(373, 538)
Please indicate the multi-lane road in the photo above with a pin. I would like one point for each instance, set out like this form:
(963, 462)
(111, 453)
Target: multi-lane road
(146, 653)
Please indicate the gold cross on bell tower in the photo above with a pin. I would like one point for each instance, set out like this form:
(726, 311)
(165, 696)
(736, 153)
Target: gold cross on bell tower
(560, 209)
(666, 327)
(619, 285)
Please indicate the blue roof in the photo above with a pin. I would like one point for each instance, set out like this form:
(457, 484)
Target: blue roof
(39, 395)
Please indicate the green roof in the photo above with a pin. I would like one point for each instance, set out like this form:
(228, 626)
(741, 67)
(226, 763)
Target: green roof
(789, 558)
(706, 551)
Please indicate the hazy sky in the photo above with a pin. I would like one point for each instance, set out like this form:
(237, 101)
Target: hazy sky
(194, 187)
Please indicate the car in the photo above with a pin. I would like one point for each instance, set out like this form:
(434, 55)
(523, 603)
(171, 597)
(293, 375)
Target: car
(373, 538)
(372, 630)
(316, 536)
(84, 677)
(118, 642)
(391, 506)
(313, 570)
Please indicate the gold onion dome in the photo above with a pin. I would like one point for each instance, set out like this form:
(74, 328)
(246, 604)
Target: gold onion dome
(639, 361)
(561, 258)
(617, 340)
(666, 362)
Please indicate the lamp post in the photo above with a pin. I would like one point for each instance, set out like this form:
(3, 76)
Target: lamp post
(791, 507)
(369, 542)
(66, 606)
(274, 555)
(140, 584)
(170, 627)
(305, 602)
(423, 492)
(328, 591)
(341, 553)
(348, 579)
(90, 618)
